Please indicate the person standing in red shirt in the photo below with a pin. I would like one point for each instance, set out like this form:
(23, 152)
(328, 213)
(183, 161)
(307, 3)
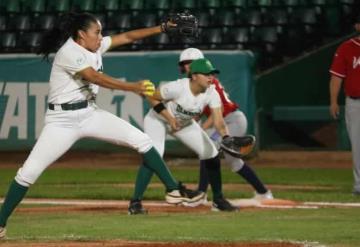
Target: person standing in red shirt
(346, 68)
(237, 124)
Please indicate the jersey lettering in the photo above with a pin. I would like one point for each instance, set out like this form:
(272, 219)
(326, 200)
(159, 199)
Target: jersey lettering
(356, 62)
(185, 112)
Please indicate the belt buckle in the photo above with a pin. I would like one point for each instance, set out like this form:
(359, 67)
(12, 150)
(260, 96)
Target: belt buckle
(57, 107)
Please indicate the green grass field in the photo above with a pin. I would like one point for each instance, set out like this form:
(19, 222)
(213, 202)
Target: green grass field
(316, 227)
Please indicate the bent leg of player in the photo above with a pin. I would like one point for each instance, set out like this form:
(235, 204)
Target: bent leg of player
(240, 167)
(157, 132)
(352, 118)
(197, 140)
(203, 177)
(108, 127)
(53, 142)
(237, 125)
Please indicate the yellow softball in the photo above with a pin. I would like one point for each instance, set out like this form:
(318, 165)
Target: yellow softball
(149, 88)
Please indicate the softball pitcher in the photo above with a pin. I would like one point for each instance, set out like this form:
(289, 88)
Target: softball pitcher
(72, 114)
(237, 125)
(184, 100)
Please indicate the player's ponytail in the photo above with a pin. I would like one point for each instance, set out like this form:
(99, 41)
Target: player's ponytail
(67, 26)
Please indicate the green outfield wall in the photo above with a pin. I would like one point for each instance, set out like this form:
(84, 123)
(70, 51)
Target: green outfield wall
(292, 104)
(24, 89)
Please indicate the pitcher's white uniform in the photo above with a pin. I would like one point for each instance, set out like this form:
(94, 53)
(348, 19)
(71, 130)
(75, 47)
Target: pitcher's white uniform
(184, 106)
(64, 127)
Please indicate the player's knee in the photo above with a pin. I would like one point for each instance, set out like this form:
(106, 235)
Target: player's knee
(205, 156)
(144, 144)
(29, 172)
(208, 152)
(237, 165)
(25, 178)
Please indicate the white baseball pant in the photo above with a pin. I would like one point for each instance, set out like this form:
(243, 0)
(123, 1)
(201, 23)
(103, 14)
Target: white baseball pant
(63, 128)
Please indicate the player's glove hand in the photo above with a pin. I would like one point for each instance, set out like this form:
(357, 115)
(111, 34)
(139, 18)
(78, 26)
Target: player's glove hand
(181, 25)
(238, 146)
(147, 88)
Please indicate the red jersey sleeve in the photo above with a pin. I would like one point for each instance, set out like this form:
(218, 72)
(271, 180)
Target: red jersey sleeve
(207, 111)
(338, 66)
(228, 105)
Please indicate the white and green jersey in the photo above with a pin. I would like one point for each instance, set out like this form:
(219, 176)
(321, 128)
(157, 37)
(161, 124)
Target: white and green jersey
(183, 104)
(65, 85)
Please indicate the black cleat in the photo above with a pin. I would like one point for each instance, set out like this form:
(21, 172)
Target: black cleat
(135, 207)
(190, 193)
(183, 195)
(221, 204)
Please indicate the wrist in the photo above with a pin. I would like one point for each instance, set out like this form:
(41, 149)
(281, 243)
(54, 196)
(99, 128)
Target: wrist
(158, 108)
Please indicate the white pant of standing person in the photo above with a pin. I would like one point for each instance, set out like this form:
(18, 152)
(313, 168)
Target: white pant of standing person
(352, 118)
(63, 128)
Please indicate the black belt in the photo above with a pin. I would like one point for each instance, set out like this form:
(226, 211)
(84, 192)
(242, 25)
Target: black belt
(354, 97)
(70, 107)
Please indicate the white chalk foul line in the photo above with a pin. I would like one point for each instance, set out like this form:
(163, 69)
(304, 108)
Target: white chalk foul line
(334, 204)
(244, 203)
(289, 207)
(237, 202)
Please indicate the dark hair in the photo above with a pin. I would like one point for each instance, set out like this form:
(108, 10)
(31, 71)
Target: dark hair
(182, 65)
(67, 26)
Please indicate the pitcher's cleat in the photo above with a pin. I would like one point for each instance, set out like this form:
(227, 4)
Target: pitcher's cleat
(221, 204)
(183, 195)
(204, 201)
(2, 232)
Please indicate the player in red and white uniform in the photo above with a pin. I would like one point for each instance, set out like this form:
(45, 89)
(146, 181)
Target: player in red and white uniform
(346, 68)
(237, 126)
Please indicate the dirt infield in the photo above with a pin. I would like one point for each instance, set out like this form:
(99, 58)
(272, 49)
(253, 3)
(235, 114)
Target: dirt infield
(159, 207)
